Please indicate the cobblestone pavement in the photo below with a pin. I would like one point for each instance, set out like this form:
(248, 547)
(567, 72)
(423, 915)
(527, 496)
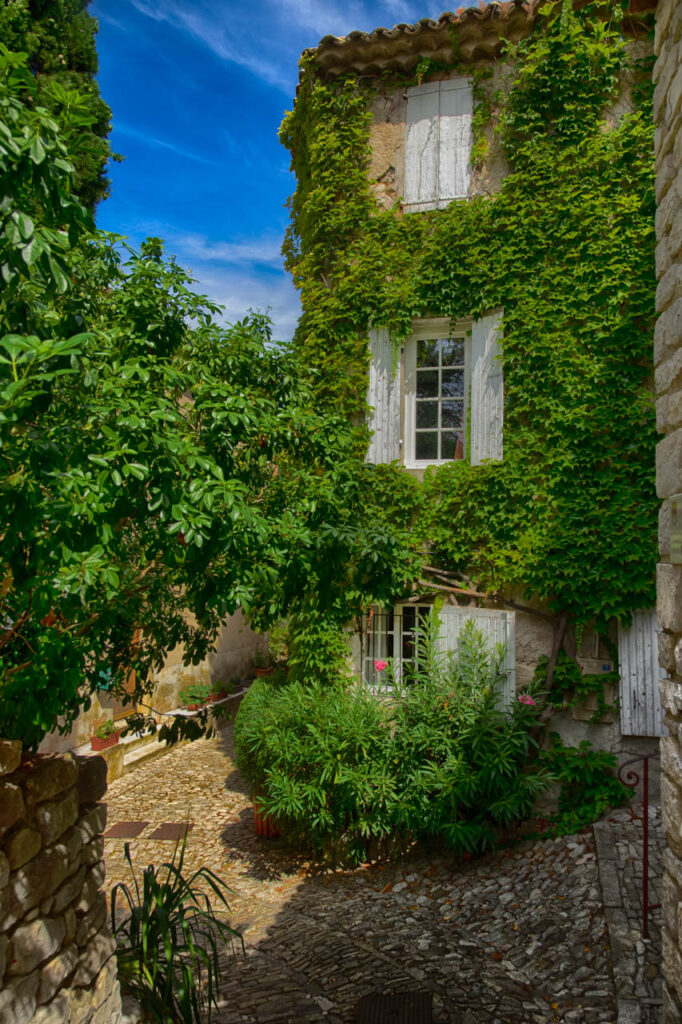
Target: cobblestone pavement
(515, 938)
(636, 961)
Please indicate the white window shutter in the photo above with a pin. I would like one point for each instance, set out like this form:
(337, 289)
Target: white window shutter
(487, 391)
(640, 702)
(438, 143)
(383, 398)
(421, 145)
(496, 626)
(456, 111)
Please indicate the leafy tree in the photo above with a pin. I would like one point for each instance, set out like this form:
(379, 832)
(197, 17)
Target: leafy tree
(58, 37)
(152, 462)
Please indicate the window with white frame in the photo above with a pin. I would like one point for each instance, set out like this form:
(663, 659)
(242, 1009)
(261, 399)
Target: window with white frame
(440, 397)
(435, 396)
(395, 635)
(438, 143)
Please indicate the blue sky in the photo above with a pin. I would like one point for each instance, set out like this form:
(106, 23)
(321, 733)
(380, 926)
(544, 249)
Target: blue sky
(198, 89)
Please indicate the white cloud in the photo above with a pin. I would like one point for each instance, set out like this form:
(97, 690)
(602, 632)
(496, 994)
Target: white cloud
(223, 32)
(134, 133)
(240, 290)
(264, 250)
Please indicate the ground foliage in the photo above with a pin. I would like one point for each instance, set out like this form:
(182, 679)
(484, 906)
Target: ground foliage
(153, 462)
(58, 37)
(566, 249)
(435, 758)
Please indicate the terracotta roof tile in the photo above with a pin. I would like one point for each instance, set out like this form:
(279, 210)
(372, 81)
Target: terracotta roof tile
(480, 33)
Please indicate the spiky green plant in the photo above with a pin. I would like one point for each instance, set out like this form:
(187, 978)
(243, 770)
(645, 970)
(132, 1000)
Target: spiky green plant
(169, 939)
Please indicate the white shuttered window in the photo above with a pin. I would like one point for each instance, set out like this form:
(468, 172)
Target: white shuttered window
(438, 144)
(396, 634)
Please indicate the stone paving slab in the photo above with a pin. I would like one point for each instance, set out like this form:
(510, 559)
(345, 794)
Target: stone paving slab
(518, 937)
(635, 960)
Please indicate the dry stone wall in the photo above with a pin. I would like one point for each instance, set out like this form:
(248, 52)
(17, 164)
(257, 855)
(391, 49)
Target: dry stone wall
(668, 361)
(57, 963)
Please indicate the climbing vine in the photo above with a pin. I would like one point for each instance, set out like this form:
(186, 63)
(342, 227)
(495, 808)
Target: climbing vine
(565, 248)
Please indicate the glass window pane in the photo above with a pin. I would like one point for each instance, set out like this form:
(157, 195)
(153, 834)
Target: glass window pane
(427, 383)
(450, 414)
(453, 384)
(408, 617)
(427, 353)
(427, 414)
(427, 444)
(453, 351)
(452, 444)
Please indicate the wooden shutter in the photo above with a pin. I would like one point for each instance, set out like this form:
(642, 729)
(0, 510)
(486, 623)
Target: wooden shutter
(486, 406)
(640, 701)
(438, 143)
(496, 626)
(383, 398)
(421, 146)
(456, 110)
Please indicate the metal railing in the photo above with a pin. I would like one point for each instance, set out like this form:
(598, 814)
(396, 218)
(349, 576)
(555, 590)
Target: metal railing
(631, 779)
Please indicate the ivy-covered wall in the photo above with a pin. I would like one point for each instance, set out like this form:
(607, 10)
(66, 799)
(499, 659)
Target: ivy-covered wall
(564, 246)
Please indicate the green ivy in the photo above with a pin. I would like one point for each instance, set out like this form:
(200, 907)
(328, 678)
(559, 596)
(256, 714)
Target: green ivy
(565, 247)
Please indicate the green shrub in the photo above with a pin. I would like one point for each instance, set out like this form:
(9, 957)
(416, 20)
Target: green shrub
(434, 757)
(168, 940)
(589, 785)
(318, 757)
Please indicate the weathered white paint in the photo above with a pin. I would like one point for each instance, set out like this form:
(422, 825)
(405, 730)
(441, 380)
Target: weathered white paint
(383, 398)
(496, 626)
(438, 143)
(640, 702)
(487, 390)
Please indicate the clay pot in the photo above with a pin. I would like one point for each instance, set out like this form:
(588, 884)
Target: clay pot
(265, 825)
(98, 743)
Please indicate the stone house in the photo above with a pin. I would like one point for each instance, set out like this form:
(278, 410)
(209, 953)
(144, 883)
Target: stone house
(439, 395)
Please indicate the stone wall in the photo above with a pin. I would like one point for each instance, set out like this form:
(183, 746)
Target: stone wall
(57, 963)
(236, 648)
(668, 361)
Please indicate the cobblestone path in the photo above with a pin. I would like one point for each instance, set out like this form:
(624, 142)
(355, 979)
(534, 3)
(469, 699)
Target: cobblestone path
(516, 938)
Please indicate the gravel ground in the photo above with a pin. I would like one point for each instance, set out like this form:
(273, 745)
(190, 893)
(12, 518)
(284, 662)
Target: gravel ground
(514, 938)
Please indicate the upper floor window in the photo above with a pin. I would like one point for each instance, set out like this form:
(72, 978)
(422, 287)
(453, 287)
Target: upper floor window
(440, 398)
(438, 143)
(436, 389)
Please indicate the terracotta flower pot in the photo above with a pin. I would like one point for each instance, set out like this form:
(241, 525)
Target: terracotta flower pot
(99, 743)
(259, 672)
(192, 707)
(264, 824)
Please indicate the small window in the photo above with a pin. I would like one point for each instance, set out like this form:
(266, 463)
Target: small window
(436, 395)
(396, 634)
(393, 635)
(438, 144)
(442, 399)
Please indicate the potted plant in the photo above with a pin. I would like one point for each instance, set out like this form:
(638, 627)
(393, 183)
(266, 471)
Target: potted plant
(262, 665)
(221, 690)
(195, 695)
(264, 824)
(106, 735)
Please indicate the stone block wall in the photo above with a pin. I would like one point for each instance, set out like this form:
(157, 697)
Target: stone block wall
(668, 363)
(57, 963)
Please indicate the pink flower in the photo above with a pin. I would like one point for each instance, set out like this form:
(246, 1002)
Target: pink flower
(525, 698)
(380, 665)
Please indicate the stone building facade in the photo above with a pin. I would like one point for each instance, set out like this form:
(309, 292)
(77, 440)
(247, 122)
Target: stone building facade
(668, 361)
(57, 962)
